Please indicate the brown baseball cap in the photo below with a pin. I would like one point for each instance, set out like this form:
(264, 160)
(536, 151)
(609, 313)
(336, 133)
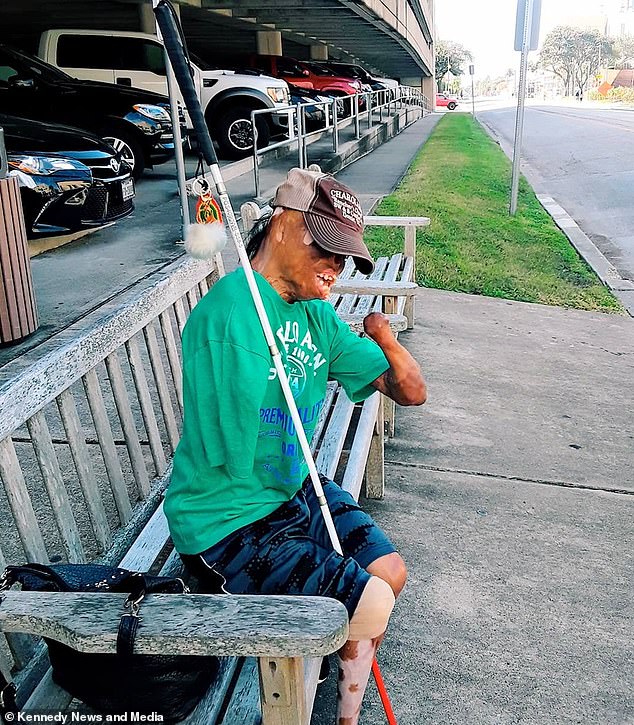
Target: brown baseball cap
(332, 213)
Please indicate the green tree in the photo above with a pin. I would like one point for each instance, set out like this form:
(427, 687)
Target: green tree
(623, 52)
(450, 57)
(574, 55)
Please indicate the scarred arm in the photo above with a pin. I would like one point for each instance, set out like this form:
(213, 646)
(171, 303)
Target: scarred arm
(403, 380)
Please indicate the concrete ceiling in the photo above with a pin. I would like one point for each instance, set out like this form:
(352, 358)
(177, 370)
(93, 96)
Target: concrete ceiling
(218, 29)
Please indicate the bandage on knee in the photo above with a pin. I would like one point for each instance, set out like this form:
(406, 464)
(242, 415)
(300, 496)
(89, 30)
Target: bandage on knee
(373, 611)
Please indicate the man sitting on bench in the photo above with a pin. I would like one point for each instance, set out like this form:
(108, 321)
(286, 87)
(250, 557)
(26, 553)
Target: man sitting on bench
(239, 503)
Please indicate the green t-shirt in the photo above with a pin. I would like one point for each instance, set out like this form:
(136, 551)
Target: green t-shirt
(239, 459)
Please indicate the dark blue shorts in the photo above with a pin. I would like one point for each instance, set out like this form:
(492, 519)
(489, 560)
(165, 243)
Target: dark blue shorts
(289, 551)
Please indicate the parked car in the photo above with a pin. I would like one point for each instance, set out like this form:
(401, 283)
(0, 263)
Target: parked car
(445, 101)
(69, 179)
(136, 59)
(314, 110)
(134, 121)
(354, 70)
(306, 74)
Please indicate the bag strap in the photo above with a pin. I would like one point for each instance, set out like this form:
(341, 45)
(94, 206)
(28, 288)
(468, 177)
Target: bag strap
(7, 688)
(7, 697)
(129, 622)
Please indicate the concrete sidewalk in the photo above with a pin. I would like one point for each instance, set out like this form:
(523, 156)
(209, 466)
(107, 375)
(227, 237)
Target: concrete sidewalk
(509, 495)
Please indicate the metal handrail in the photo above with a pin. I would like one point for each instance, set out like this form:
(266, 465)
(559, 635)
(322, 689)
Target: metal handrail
(382, 100)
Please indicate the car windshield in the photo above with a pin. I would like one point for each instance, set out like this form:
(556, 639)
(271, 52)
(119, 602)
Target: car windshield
(348, 70)
(318, 70)
(202, 64)
(37, 66)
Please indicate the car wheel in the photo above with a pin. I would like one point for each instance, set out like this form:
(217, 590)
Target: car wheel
(234, 134)
(129, 149)
(451, 106)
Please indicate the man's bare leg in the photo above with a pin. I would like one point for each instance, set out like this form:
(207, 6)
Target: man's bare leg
(367, 627)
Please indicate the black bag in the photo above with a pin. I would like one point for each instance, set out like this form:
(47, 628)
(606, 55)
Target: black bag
(170, 686)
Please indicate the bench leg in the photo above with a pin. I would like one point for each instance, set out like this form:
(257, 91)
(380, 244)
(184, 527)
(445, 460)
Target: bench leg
(390, 417)
(375, 468)
(282, 691)
(408, 311)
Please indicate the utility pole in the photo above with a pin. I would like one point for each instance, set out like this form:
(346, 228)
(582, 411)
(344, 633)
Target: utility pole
(526, 38)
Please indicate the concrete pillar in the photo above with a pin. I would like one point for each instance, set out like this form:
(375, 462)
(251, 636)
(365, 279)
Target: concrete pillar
(146, 18)
(319, 52)
(269, 42)
(429, 90)
(147, 22)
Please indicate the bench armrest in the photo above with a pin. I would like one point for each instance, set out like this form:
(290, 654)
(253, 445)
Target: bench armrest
(188, 624)
(396, 221)
(374, 287)
(398, 323)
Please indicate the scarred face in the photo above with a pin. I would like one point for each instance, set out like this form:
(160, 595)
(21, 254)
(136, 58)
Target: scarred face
(295, 265)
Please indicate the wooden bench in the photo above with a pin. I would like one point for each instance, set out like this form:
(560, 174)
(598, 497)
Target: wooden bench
(87, 428)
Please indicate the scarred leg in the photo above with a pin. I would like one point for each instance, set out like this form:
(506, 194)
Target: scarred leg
(367, 627)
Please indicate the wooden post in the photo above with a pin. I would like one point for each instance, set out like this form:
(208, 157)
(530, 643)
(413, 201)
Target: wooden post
(18, 314)
(282, 691)
(410, 251)
(375, 468)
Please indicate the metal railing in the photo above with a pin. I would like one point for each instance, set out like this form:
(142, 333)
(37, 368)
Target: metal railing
(368, 107)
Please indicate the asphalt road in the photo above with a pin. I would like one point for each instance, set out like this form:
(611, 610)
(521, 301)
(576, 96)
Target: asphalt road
(584, 159)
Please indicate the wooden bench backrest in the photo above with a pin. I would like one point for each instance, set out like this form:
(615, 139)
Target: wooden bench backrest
(86, 430)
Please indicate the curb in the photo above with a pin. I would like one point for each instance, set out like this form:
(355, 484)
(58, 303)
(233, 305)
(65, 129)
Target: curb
(609, 275)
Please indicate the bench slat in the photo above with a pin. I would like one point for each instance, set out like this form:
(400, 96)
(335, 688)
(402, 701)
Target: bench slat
(130, 433)
(54, 482)
(99, 414)
(172, 356)
(211, 705)
(331, 389)
(355, 467)
(194, 624)
(244, 704)
(48, 696)
(335, 436)
(85, 470)
(20, 503)
(161, 386)
(348, 271)
(149, 544)
(181, 316)
(145, 402)
(364, 303)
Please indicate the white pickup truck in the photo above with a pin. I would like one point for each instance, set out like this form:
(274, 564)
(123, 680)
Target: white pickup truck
(136, 59)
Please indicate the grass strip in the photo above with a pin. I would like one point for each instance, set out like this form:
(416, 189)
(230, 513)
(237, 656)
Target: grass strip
(461, 180)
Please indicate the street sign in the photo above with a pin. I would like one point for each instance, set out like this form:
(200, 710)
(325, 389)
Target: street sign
(533, 27)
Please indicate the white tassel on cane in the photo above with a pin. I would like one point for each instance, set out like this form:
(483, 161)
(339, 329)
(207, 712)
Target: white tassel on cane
(204, 241)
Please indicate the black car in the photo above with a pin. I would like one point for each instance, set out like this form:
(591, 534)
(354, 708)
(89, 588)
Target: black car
(69, 179)
(136, 122)
(314, 108)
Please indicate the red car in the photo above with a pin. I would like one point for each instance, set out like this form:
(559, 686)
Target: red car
(445, 101)
(305, 74)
